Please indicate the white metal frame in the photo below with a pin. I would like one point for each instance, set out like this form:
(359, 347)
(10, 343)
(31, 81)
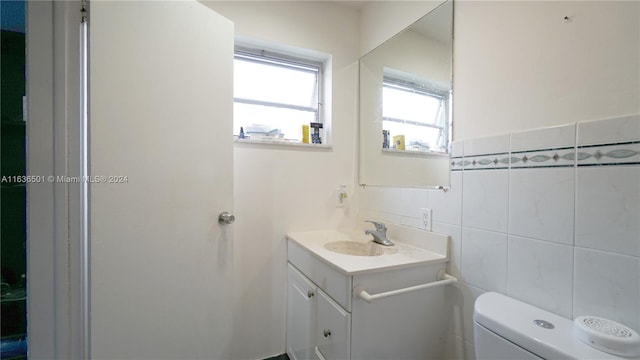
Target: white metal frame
(53, 217)
(41, 247)
(288, 62)
(443, 120)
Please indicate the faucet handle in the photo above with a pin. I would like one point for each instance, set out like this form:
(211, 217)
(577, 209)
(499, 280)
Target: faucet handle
(379, 226)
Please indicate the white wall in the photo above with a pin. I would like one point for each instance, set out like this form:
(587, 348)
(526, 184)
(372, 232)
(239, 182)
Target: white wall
(282, 189)
(520, 66)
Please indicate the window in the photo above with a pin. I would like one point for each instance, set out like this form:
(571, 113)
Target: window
(274, 94)
(418, 111)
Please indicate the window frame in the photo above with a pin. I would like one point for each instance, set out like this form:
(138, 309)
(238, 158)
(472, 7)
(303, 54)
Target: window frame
(426, 89)
(284, 60)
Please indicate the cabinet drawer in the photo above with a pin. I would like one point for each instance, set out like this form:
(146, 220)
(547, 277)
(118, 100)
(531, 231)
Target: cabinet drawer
(329, 279)
(333, 329)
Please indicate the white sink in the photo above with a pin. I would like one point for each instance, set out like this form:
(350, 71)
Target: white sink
(358, 248)
(352, 252)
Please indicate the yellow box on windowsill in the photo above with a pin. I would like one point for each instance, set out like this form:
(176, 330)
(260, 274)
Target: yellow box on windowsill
(398, 142)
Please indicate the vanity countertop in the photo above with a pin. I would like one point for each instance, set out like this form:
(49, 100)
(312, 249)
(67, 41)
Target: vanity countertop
(417, 247)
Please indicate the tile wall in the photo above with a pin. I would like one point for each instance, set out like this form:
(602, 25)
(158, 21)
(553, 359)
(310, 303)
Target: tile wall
(549, 216)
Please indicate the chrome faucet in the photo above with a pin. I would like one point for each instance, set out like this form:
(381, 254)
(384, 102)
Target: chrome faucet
(379, 234)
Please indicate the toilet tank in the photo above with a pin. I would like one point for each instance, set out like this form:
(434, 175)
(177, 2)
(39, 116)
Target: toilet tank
(506, 328)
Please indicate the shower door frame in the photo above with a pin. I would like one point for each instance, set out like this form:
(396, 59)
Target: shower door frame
(54, 259)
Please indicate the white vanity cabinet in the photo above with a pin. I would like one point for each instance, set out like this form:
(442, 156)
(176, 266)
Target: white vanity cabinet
(326, 320)
(318, 327)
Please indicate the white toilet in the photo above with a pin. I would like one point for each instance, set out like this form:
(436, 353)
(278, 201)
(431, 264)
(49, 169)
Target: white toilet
(509, 329)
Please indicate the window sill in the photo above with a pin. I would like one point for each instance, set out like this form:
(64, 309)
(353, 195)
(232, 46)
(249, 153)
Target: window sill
(414, 153)
(282, 143)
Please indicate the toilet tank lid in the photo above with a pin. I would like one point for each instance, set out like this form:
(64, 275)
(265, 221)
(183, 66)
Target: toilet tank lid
(516, 321)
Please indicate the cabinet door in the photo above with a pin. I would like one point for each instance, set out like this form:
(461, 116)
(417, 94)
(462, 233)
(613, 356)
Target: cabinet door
(333, 329)
(301, 316)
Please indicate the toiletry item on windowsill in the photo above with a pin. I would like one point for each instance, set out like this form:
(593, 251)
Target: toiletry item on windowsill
(305, 134)
(417, 145)
(398, 142)
(241, 135)
(385, 139)
(263, 132)
(315, 137)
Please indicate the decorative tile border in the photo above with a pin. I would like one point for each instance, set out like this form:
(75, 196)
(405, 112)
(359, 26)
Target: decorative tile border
(489, 161)
(591, 155)
(605, 142)
(457, 163)
(543, 158)
(609, 154)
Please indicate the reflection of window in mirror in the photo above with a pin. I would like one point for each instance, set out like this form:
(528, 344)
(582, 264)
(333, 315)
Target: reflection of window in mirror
(417, 110)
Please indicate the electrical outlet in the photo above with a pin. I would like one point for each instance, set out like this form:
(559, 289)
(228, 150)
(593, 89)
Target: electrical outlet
(341, 196)
(426, 218)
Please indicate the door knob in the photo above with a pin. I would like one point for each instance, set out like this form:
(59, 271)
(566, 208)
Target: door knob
(226, 217)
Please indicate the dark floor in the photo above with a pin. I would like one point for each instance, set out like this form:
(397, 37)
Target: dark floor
(279, 357)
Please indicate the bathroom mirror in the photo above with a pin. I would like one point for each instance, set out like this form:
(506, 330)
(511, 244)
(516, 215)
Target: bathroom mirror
(405, 105)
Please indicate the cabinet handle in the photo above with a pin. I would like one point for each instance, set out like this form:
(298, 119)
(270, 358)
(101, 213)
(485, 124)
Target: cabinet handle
(310, 294)
(327, 333)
